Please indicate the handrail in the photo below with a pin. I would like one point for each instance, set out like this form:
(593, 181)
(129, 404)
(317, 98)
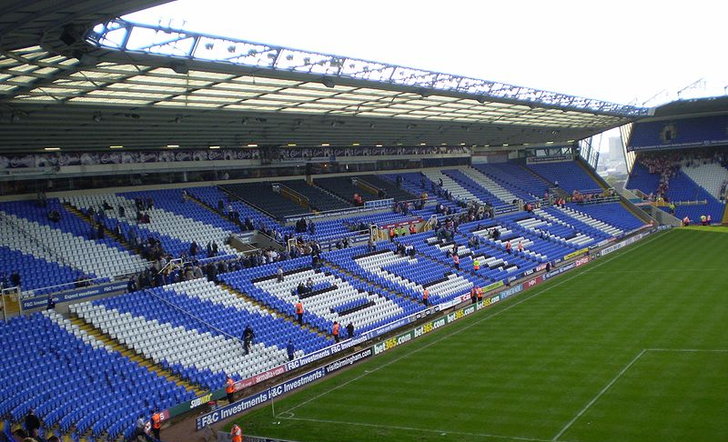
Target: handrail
(176, 307)
(36, 240)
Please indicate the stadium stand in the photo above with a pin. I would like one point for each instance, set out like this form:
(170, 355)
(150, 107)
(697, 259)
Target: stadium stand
(317, 197)
(263, 198)
(453, 188)
(74, 382)
(516, 178)
(163, 323)
(504, 195)
(480, 192)
(570, 175)
(175, 231)
(344, 188)
(683, 132)
(390, 191)
(95, 259)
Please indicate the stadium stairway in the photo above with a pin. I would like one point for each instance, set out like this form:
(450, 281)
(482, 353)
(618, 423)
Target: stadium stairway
(134, 356)
(205, 205)
(107, 231)
(503, 194)
(288, 317)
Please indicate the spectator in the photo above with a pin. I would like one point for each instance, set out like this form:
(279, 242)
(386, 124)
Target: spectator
(54, 216)
(51, 304)
(32, 423)
(139, 429)
(350, 330)
(335, 331)
(299, 312)
(194, 248)
(236, 434)
(248, 335)
(290, 350)
(15, 279)
(230, 389)
(156, 424)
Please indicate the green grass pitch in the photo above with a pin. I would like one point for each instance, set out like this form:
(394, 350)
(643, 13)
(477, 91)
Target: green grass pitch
(633, 347)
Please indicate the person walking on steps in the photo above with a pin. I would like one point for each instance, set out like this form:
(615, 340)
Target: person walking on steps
(299, 312)
(335, 331)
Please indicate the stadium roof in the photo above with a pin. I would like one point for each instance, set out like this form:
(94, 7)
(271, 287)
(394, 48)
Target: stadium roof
(67, 81)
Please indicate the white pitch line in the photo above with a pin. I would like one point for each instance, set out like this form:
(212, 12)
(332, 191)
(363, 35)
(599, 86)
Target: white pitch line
(522, 300)
(599, 395)
(690, 350)
(428, 430)
(624, 370)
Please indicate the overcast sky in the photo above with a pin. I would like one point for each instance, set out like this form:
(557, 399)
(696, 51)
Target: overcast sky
(620, 51)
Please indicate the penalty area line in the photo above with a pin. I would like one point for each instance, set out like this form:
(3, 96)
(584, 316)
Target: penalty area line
(599, 395)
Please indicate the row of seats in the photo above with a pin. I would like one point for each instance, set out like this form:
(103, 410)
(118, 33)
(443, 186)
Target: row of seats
(176, 232)
(74, 382)
(481, 193)
(88, 257)
(570, 175)
(262, 196)
(318, 198)
(516, 178)
(503, 194)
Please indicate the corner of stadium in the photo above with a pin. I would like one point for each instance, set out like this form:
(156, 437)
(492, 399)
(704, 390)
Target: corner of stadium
(202, 234)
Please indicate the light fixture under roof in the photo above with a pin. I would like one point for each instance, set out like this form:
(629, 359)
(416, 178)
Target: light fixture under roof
(291, 144)
(116, 146)
(51, 149)
(214, 147)
(173, 146)
(328, 82)
(325, 145)
(378, 145)
(423, 144)
(354, 144)
(252, 145)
